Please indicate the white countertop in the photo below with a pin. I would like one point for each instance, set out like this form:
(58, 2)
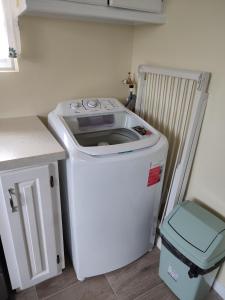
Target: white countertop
(25, 141)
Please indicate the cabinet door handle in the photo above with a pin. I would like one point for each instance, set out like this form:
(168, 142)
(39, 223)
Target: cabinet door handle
(13, 199)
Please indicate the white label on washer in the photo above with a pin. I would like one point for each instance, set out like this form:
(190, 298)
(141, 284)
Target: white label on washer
(172, 273)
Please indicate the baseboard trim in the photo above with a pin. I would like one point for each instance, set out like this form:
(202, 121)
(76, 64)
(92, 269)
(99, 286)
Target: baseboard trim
(218, 287)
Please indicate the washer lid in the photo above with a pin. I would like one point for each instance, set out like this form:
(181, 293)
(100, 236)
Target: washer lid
(111, 116)
(113, 141)
(107, 137)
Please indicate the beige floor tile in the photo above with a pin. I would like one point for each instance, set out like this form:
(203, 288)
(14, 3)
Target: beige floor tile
(159, 292)
(56, 284)
(136, 278)
(29, 294)
(137, 281)
(162, 292)
(96, 288)
(213, 296)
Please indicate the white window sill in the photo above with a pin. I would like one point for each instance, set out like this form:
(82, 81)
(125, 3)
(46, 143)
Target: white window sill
(9, 65)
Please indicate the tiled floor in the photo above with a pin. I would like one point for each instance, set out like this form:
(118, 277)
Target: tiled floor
(137, 281)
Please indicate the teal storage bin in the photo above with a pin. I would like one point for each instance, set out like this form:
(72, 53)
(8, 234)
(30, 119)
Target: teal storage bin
(193, 249)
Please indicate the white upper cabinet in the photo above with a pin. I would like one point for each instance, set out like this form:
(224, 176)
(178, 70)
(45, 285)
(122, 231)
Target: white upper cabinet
(123, 11)
(95, 2)
(154, 6)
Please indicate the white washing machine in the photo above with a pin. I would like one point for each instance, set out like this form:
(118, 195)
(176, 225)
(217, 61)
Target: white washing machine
(111, 183)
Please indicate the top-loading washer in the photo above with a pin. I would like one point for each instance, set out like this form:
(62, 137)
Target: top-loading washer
(111, 182)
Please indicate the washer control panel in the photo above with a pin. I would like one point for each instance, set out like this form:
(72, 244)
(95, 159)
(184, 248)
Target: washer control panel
(90, 105)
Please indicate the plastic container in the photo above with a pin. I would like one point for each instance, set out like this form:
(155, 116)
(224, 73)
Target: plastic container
(193, 249)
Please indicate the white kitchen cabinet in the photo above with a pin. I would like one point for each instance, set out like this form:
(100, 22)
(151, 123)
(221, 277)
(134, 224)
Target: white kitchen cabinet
(30, 209)
(154, 6)
(31, 219)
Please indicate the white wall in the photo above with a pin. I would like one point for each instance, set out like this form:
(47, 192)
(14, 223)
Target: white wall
(194, 38)
(63, 59)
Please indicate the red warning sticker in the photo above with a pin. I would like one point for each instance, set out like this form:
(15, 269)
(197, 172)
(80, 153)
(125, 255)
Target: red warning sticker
(148, 132)
(154, 175)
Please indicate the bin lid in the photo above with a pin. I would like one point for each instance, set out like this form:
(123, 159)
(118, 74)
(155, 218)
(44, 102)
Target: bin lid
(196, 233)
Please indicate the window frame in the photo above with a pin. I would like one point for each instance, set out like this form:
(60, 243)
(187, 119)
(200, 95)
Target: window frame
(10, 64)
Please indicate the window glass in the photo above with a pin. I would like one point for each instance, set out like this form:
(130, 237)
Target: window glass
(4, 45)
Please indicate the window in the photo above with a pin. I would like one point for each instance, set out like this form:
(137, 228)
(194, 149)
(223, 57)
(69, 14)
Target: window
(9, 37)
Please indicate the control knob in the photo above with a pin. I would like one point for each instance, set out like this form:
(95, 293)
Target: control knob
(75, 105)
(92, 103)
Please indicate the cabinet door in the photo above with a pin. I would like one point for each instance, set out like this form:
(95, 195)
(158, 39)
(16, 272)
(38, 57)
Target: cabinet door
(141, 5)
(28, 204)
(96, 2)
